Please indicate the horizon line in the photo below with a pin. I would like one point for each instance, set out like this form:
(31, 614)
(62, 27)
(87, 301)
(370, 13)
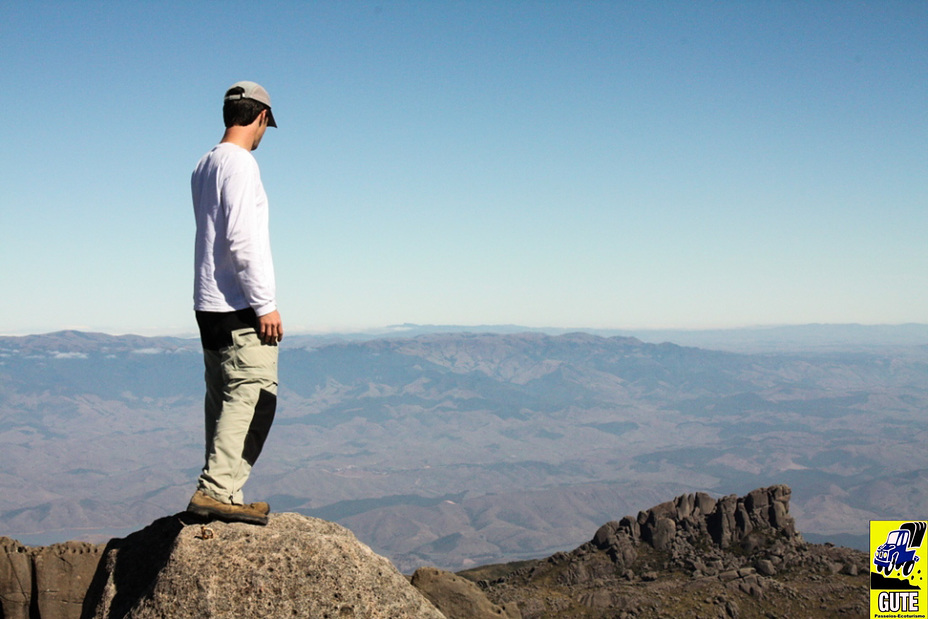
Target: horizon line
(400, 328)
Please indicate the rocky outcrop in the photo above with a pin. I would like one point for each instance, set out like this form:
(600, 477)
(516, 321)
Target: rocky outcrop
(177, 567)
(686, 557)
(48, 582)
(294, 567)
(693, 556)
(695, 528)
(459, 598)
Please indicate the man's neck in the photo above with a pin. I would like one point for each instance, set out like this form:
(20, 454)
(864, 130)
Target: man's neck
(240, 136)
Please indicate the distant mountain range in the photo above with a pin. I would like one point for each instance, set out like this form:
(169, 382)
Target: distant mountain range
(844, 337)
(458, 449)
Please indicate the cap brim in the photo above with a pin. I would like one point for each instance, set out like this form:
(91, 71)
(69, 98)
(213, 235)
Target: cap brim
(270, 118)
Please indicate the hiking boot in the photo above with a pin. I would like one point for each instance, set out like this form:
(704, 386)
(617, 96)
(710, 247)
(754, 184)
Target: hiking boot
(260, 507)
(206, 506)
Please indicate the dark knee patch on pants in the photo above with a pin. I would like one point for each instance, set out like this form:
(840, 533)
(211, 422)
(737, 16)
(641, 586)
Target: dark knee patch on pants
(260, 426)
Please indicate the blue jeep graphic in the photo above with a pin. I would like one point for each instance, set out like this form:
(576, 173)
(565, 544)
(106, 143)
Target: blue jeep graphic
(898, 553)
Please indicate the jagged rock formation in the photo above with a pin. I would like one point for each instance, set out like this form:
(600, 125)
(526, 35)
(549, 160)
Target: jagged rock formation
(683, 526)
(48, 582)
(459, 598)
(294, 567)
(694, 556)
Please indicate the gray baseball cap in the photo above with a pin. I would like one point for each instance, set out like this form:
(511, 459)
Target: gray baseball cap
(252, 91)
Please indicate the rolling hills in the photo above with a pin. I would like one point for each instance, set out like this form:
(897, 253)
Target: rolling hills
(461, 449)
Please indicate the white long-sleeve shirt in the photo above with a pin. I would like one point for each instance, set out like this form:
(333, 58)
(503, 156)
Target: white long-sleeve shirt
(234, 268)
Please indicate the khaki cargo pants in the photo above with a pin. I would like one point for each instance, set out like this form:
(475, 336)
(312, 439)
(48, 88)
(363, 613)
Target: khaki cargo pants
(241, 399)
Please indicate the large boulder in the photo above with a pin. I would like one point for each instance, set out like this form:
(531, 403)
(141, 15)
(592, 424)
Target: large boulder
(15, 579)
(294, 567)
(63, 573)
(49, 582)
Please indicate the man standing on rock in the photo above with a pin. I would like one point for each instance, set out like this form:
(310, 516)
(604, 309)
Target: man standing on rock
(236, 307)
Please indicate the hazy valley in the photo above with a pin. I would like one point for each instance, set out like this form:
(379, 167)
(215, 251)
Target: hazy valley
(459, 449)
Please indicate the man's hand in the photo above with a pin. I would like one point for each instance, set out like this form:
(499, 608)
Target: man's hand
(270, 328)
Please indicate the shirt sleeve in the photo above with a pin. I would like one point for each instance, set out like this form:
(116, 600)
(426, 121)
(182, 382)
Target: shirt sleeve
(247, 236)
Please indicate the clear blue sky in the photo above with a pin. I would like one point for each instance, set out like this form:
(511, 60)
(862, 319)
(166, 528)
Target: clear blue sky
(564, 164)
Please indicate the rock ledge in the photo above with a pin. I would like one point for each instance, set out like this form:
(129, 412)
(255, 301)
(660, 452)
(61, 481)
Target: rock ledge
(294, 567)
